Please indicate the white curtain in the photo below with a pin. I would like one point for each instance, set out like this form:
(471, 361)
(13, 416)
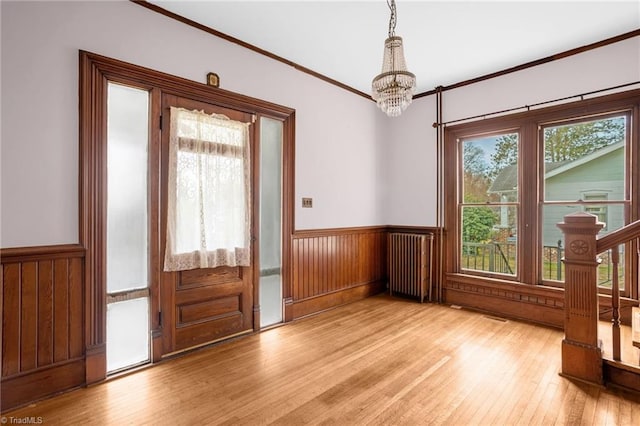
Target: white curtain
(209, 214)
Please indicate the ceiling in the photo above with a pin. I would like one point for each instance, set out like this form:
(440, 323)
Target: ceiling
(446, 42)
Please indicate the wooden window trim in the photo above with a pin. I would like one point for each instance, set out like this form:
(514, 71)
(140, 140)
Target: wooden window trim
(528, 125)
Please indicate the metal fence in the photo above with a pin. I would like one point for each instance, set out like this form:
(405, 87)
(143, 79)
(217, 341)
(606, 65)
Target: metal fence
(490, 257)
(501, 258)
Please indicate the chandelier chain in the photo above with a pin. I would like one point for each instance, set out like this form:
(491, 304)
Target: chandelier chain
(392, 19)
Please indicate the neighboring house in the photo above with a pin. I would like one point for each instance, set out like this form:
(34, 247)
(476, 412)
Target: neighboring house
(594, 177)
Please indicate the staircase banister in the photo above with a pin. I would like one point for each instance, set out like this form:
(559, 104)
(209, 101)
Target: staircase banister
(619, 236)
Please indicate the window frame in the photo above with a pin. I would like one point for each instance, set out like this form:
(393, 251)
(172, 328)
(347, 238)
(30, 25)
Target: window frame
(583, 203)
(178, 254)
(528, 125)
(601, 210)
(462, 204)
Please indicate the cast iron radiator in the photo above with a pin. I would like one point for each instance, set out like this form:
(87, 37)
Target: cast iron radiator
(410, 264)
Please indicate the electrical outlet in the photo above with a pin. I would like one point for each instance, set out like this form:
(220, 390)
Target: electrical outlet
(307, 202)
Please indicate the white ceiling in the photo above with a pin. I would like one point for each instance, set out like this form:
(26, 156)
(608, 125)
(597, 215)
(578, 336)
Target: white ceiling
(446, 42)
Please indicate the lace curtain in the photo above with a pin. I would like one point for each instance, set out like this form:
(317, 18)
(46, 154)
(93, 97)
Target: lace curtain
(209, 216)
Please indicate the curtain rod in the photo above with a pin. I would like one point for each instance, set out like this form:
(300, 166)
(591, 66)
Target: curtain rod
(528, 107)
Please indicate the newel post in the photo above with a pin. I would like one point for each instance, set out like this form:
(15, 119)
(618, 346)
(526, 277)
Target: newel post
(581, 353)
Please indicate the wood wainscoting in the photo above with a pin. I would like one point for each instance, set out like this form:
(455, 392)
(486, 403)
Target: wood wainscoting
(42, 322)
(539, 304)
(535, 303)
(331, 267)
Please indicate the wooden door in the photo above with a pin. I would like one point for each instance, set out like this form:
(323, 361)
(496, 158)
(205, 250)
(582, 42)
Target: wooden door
(200, 306)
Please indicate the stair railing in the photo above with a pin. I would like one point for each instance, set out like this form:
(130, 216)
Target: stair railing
(612, 242)
(581, 351)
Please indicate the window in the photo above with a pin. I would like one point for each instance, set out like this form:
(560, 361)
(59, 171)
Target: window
(209, 214)
(582, 154)
(489, 204)
(512, 179)
(597, 210)
(127, 230)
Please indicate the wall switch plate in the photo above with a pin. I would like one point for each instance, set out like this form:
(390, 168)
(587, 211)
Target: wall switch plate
(307, 202)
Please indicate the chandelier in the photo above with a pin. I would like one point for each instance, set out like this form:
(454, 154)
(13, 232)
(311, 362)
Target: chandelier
(393, 88)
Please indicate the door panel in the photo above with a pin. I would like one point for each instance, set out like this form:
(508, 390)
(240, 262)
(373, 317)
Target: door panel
(202, 305)
(210, 307)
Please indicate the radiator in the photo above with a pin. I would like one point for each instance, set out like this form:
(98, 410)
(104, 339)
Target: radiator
(410, 264)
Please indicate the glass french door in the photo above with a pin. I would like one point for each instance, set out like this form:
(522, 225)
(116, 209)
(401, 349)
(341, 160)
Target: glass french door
(127, 230)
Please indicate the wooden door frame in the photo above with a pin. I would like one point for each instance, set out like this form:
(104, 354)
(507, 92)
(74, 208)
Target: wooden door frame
(95, 71)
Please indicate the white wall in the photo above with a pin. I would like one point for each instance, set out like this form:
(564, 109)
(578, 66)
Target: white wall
(410, 184)
(595, 69)
(359, 167)
(336, 145)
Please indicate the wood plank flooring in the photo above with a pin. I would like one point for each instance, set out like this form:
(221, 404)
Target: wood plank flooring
(377, 361)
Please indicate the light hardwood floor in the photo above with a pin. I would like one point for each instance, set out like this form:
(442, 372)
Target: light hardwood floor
(377, 361)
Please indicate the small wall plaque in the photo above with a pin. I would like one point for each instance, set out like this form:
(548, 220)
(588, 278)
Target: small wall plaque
(213, 79)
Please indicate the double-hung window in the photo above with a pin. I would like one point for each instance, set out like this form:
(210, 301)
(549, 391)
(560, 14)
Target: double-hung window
(489, 204)
(585, 169)
(510, 180)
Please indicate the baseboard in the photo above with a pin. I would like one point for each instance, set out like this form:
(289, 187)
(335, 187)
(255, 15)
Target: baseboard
(96, 370)
(301, 308)
(621, 375)
(41, 383)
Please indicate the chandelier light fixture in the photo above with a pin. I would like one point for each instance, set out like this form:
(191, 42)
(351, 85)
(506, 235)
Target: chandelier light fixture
(393, 88)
